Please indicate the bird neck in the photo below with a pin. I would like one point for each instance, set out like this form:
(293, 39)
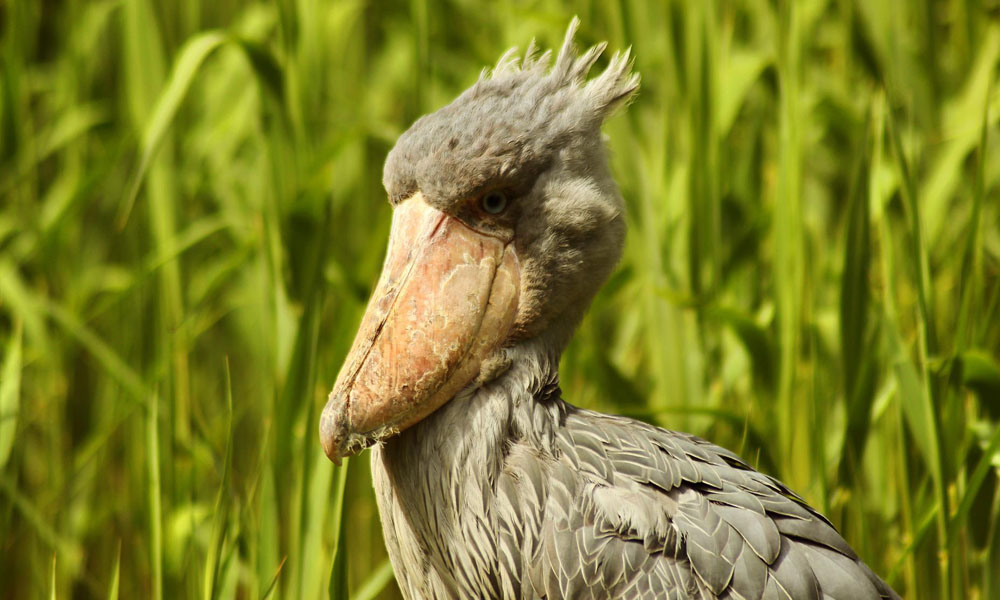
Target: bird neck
(522, 402)
(437, 475)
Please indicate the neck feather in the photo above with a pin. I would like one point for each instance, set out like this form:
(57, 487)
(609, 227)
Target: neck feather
(521, 403)
(436, 476)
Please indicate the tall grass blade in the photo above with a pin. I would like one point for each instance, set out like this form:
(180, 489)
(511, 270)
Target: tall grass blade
(19, 301)
(855, 334)
(380, 577)
(338, 573)
(925, 526)
(220, 519)
(116, 574)
(268, 539)
(194, 52)
(316, 470)
(266, 66)
(52, 579)
(991, 570)
(155, 492)
(787, 231)
(989, 460)
(274, 580)
(915, 383)
(758, 343)
(191, 57)
(10, 393)
(972, 258)
(917, 254)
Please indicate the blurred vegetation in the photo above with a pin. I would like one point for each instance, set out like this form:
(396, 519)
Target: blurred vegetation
(191, 218)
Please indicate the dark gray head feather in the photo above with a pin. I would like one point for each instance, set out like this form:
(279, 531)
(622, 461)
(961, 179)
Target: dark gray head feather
(505, 129)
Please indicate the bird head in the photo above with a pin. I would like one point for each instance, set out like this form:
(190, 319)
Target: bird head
(506, 221)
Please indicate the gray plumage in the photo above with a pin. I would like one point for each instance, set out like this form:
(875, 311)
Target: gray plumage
(508, 127)
(510, 492)
(507, 491)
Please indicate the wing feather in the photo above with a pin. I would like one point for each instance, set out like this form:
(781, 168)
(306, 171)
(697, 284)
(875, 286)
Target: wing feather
(631, 510)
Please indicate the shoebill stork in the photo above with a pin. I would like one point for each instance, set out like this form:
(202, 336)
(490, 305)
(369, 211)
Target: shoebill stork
(490, 485)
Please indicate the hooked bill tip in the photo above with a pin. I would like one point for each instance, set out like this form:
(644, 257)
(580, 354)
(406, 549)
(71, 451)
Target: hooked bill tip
(335, 434)
(328, 436)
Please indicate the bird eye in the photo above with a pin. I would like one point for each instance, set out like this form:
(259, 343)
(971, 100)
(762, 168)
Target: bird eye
(494, 202)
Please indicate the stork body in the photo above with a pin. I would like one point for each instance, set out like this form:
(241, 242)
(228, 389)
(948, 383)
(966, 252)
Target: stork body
(517, 494)
(489, 484)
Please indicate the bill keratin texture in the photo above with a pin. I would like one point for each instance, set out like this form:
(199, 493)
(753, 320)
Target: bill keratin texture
(489, 484)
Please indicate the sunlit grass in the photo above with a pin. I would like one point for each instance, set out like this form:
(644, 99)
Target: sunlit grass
(191, 218)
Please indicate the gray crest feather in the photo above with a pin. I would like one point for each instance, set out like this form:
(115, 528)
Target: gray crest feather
(505, 129)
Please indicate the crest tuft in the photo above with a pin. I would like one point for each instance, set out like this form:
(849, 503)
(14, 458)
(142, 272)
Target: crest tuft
(509, 125)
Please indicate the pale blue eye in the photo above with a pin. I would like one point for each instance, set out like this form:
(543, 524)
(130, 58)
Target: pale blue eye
(494, 202)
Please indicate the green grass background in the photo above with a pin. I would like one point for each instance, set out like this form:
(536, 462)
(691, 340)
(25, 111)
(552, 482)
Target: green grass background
(191, 219)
